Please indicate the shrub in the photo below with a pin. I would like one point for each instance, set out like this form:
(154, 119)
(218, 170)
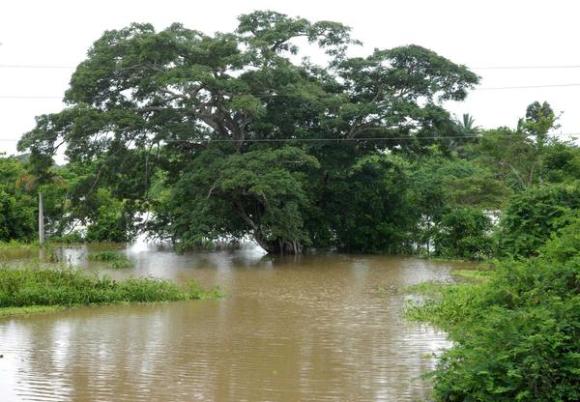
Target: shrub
(533, 216)
(517, 335)
(464, 233)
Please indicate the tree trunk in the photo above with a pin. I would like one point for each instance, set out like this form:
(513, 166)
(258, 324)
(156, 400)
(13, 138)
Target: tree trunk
(279, 246)
(40, 219)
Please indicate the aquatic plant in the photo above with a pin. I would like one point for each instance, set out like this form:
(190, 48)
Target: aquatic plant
(114, 259)
(16, 249)
(36, 286)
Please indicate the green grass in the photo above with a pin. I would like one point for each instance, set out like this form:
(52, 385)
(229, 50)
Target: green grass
(112, 258)
(444, 305)
(14, 311)
(36, 288)
(472, 275)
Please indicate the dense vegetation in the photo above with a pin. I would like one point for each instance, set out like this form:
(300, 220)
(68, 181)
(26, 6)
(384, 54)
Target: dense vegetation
(32, 286)
(517, 332)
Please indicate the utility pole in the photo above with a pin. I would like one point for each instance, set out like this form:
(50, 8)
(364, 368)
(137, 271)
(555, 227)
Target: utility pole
(40, 219)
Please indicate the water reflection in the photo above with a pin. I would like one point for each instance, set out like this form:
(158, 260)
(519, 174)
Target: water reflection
(308, 328)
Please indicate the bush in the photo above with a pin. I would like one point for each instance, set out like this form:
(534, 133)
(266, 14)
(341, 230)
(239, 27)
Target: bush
(564, 246)
(464, 233)
(517, 335)
(533, 216)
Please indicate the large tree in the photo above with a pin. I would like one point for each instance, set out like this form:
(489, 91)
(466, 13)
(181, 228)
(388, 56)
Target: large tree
(215, 116)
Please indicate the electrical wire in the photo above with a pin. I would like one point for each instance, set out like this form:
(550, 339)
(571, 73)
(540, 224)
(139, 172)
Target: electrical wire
(36, 66)
(204, 141)
(48, 97)
(515, 67)
(529, 86)
(545, 67)
(255, 140)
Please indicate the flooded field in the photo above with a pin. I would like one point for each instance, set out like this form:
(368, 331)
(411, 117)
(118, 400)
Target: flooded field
(317, 328)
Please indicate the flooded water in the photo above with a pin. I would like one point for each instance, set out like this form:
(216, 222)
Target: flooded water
(313, 328)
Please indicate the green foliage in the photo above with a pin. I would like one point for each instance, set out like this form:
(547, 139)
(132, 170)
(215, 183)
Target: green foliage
(565, 244)
(444, 305)
(453, 197)
(19, 189)
(35, 286)
(516, 335)
(114, 259)
(111, 221)
(472, 275)
(561, 163)
(464, 233)
(17, 220)
(17, 207)
(532, 216)
(259, 193)
(371, 205)
(442, 182)
(539, 120)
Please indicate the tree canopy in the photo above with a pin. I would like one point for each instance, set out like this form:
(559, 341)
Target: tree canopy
(243, 131)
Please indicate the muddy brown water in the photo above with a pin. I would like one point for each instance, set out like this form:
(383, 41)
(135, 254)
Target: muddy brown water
(313, 328)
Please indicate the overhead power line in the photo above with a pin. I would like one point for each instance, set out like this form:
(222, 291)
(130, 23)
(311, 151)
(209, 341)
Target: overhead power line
(515, 67)
(206, 141)
(41, 97)
(29, 97)
(529, 86)
(527, 67)
(37, 66)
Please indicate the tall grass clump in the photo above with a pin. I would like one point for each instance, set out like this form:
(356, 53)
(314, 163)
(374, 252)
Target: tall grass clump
(112, 258)
(33, 286)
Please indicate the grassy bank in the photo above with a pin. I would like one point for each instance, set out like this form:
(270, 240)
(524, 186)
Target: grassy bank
(33, 289)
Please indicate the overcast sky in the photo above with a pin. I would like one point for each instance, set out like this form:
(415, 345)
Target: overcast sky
(476, 33)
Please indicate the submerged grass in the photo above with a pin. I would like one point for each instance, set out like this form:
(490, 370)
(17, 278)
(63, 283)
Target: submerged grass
(16, 249)
(33, 250)
(443, 304)
(447, 304)
(14, 311)
(114, 259)
(37, 289)
(473, 275)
